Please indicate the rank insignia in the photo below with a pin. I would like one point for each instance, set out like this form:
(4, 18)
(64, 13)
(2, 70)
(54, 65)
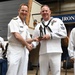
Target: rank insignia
(62, 27)
(53, 22)
(15, 18)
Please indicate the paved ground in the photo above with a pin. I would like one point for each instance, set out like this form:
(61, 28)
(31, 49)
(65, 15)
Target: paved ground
(69, 72)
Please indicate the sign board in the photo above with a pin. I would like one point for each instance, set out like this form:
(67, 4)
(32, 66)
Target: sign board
(67, 18)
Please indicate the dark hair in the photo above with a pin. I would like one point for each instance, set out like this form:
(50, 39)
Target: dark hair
(45, 5)
(23, 4)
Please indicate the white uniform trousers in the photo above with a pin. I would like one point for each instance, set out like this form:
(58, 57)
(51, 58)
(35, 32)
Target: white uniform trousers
(52, 61)
(17, 60)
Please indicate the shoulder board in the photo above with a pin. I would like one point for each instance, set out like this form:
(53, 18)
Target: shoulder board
(15, 18)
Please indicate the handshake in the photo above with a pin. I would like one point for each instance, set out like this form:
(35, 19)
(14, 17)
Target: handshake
(30, 43)
(33, 42)
(38, 39)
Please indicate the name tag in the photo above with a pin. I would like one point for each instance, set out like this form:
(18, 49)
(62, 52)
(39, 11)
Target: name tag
(21, 29)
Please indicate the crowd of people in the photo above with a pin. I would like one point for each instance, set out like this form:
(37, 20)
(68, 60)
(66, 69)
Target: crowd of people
(49, 36)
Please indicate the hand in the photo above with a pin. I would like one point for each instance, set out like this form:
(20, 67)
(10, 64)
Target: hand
(37, 39)
(72, 60)
(29, 47)
(46, 37)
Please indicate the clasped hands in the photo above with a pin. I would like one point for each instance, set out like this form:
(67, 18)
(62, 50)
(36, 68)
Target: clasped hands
(29, 45)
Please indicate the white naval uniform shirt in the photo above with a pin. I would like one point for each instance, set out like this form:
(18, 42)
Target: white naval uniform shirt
(71, 45)
(16, 25)
(58, 31)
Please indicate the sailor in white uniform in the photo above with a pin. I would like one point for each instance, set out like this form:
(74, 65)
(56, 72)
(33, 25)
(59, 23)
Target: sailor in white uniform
(19, 43)
(71, 47)
(52, 30)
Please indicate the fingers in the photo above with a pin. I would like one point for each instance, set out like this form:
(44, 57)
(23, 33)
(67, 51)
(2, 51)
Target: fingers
(46, 37)
(72, 60)
(29, 47)
(37, 39)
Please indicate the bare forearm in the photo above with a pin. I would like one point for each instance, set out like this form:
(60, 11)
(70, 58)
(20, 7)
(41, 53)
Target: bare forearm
(20, 39)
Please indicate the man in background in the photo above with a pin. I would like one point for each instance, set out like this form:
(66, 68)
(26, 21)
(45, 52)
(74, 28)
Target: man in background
(71, 47)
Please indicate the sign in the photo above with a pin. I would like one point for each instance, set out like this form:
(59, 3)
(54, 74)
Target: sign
(68, 18)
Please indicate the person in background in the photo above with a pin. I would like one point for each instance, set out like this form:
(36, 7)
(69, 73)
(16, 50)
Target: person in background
(19, 43)
(49, 36)
(2, 41)
(2, 47)
(64, 45)
(71, 47)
